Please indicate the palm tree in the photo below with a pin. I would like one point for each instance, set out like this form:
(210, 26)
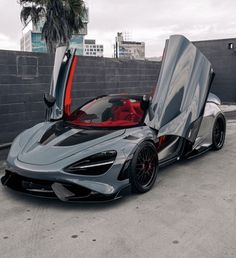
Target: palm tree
(62, 19)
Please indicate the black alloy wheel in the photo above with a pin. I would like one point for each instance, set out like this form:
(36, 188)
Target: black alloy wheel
(218, 133)
(144, 167)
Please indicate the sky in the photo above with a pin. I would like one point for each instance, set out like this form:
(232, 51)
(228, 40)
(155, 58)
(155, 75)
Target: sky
(151, 21)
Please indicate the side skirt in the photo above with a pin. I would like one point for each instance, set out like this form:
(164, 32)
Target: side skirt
(196, 153)
(165, 163)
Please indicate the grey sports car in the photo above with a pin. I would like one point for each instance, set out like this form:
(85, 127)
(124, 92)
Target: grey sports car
(116, 143)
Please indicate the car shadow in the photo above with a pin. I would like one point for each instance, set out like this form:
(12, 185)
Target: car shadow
(51, 203)
(166, 171)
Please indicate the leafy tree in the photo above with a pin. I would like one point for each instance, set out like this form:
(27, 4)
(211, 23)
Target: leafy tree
(62, 19)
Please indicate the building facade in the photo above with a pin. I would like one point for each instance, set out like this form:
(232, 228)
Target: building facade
(33, 42)
(128, 49)
(92, 49)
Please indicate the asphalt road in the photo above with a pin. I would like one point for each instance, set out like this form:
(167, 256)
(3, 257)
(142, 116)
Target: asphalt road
(190, 212)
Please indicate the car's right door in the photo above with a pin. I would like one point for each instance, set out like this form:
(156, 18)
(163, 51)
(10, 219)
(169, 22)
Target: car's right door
(182, 89)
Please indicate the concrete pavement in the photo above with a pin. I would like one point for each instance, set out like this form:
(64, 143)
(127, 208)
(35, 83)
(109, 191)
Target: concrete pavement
(190, 212)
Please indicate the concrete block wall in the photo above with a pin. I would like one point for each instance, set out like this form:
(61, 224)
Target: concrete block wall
(24, 77)
(222, 55)
(99, 76)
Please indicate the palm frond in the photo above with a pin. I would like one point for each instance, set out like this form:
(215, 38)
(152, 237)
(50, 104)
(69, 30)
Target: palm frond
(31, 2)
(32, 12)
(25, 14)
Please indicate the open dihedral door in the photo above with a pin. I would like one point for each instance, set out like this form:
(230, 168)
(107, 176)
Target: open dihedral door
(61, 84)
(182, 89)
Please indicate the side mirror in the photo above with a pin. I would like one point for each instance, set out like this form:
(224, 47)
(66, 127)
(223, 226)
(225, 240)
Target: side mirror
(49, 100)
(146, 105)
(145, 102)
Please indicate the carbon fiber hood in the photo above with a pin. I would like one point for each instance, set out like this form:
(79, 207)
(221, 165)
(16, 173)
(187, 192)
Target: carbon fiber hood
(50, 144)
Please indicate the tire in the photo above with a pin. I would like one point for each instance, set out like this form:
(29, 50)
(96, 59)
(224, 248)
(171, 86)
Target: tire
(218, 133)
(144, 168)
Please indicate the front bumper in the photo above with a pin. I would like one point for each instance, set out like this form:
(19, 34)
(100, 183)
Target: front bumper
(56, 189)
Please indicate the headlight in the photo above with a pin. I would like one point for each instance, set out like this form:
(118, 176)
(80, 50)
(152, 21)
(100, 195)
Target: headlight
(96, 164)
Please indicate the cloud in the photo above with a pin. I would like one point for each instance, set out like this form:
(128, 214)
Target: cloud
(151, 21)
(10, 25)
(8, 43)
(3, 37)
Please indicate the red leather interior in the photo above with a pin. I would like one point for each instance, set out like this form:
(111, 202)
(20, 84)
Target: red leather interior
(128, 111)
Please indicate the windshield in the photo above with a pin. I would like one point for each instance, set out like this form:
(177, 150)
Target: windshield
(109, 111)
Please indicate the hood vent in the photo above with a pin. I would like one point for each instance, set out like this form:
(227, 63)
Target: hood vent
(83, 136)
(53, 132)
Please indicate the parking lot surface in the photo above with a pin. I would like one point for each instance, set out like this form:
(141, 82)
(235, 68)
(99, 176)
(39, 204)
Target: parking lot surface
(190, 212)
